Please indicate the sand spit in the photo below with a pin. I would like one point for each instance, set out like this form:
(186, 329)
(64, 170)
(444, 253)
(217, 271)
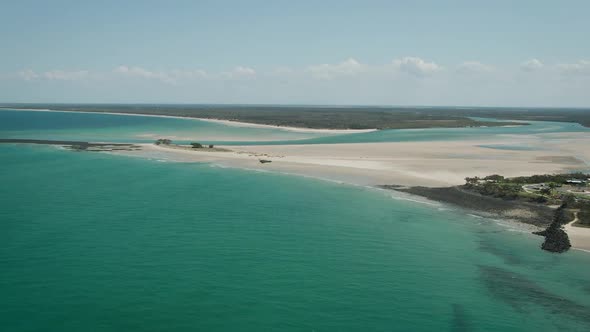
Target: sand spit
(219, 121)
(428, 164)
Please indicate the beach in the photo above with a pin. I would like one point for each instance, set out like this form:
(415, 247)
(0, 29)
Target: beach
(295, 129)
(579, 236)
(429, 164)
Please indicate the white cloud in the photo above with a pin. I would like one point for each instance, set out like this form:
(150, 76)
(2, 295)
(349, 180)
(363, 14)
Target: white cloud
(352, 67)
(348, 81)
(139, 72)
(474, 67)
(188, 74)
(239, 72)
(282, 71)
(531, 65)
(244, 71)
(169, 77)
(416, 66)
(337, 82)
(581, 67)
(65, 75)
(61, 75)
(348, 67)
(28, 75)
(134, 71)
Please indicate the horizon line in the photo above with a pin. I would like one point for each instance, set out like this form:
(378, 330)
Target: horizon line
(294, 105)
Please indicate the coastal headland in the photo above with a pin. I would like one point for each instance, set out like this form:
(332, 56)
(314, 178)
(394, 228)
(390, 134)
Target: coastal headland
(559, 203)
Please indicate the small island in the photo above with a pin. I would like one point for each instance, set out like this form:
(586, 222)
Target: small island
(75, 145)
(193, 146)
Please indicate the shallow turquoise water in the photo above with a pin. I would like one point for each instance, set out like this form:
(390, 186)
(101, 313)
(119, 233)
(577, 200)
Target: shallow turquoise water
(442, 134)
(126, 128)
(109, 243)
(99, 242)
(123, 128)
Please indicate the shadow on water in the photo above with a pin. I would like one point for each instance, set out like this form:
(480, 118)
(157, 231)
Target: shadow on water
(523, 294)
(460, 321)
(504, 253)
(511, 256)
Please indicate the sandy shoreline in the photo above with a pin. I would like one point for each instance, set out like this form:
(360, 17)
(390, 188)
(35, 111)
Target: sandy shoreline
(219, 121)
(429, 164)
(579, 236)
(295, 129)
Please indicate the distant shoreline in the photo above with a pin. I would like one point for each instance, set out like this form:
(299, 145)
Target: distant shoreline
(337, 120)
(219, 121)
(295, 129)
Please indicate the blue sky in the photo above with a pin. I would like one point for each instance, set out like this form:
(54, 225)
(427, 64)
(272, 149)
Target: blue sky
(504, 53)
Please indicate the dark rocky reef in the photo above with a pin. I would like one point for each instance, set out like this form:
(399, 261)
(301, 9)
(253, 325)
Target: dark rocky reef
(525, 295)
(534, 214)
(556, 239)
(76, 145)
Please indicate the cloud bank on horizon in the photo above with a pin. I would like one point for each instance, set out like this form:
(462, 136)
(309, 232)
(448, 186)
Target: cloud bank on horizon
(404, 81)
(423, 53)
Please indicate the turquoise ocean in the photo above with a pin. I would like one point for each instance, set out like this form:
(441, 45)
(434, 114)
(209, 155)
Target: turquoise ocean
(100, 242)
